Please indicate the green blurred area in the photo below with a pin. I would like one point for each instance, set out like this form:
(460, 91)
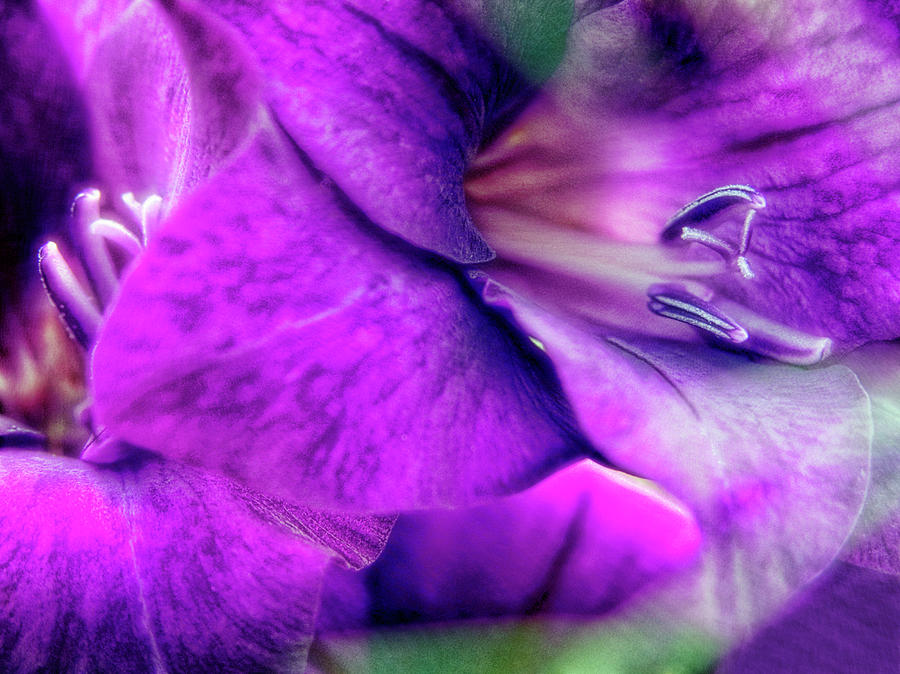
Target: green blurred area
(531, 33)
(540, 647)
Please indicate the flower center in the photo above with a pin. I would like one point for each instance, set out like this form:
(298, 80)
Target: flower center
(80, 305)
(82, 286)
(658, 280)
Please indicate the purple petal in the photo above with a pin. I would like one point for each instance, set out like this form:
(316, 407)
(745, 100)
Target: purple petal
(772, 460)
(687, 97)
(390, 100)
(146, 565)
(848, 622)
(167, 137)
(273, 333)
(580, 542)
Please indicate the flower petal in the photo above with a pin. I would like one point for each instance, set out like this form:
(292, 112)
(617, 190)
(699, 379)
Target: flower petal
(876, 541)
(667, 101)
(580, 542)
(849, 621)
(273, 333)
(146, 565)
(174, 93)
(773, 460)
(390, 100)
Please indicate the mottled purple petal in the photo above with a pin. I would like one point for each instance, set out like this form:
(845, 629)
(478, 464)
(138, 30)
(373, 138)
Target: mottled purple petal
(390, 100)
(581, 542)
(772, 460)
(674, 99)
(273, 333)
(145, 566)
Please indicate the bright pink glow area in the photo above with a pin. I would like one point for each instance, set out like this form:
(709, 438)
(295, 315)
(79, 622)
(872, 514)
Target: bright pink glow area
(635, 513)
(580, 543)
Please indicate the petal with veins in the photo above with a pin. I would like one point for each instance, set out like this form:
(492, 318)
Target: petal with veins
(271, 331)
(146, 565)
(392, 111)
(773, 460)
(670, 100)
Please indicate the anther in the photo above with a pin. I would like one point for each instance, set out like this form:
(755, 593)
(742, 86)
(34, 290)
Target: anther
(706, 206)
(693, 235)
(673, 301)
(146, 213)
(73, 302)
(117, 233)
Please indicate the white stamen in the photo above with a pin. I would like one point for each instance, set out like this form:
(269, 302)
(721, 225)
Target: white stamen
(151, 212)
(695, 310)
(133, 206)
(744, 267)
(98, 263)
(71, 299)
(118, 234)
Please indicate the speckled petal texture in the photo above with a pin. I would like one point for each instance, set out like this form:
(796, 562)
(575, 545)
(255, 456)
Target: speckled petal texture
(772, 460)
(273, 333)
(392, 111)
(146, 566)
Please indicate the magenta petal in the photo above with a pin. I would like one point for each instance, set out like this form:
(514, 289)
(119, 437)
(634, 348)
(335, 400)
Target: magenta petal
(581, 542)
(390, 100)
(271, 332)
(773, 460)
(144, 566)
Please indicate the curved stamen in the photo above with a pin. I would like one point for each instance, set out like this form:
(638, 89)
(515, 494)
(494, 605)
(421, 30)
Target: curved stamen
(151, 214)
(146, 213)
(707, 205)
(133, 206)
(673, 301)
(98, 263)
(71, 299)
(776, 340)
(118, 234)
(693, 235)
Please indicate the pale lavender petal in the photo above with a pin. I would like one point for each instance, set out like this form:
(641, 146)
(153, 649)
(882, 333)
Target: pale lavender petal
(582, 541)
(876, 541)
(146, 566)
(390, 101)
(686, 97)
(773, 460)
(273, 333)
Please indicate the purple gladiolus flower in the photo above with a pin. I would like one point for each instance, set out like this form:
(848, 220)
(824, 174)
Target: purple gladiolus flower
(363, 277)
